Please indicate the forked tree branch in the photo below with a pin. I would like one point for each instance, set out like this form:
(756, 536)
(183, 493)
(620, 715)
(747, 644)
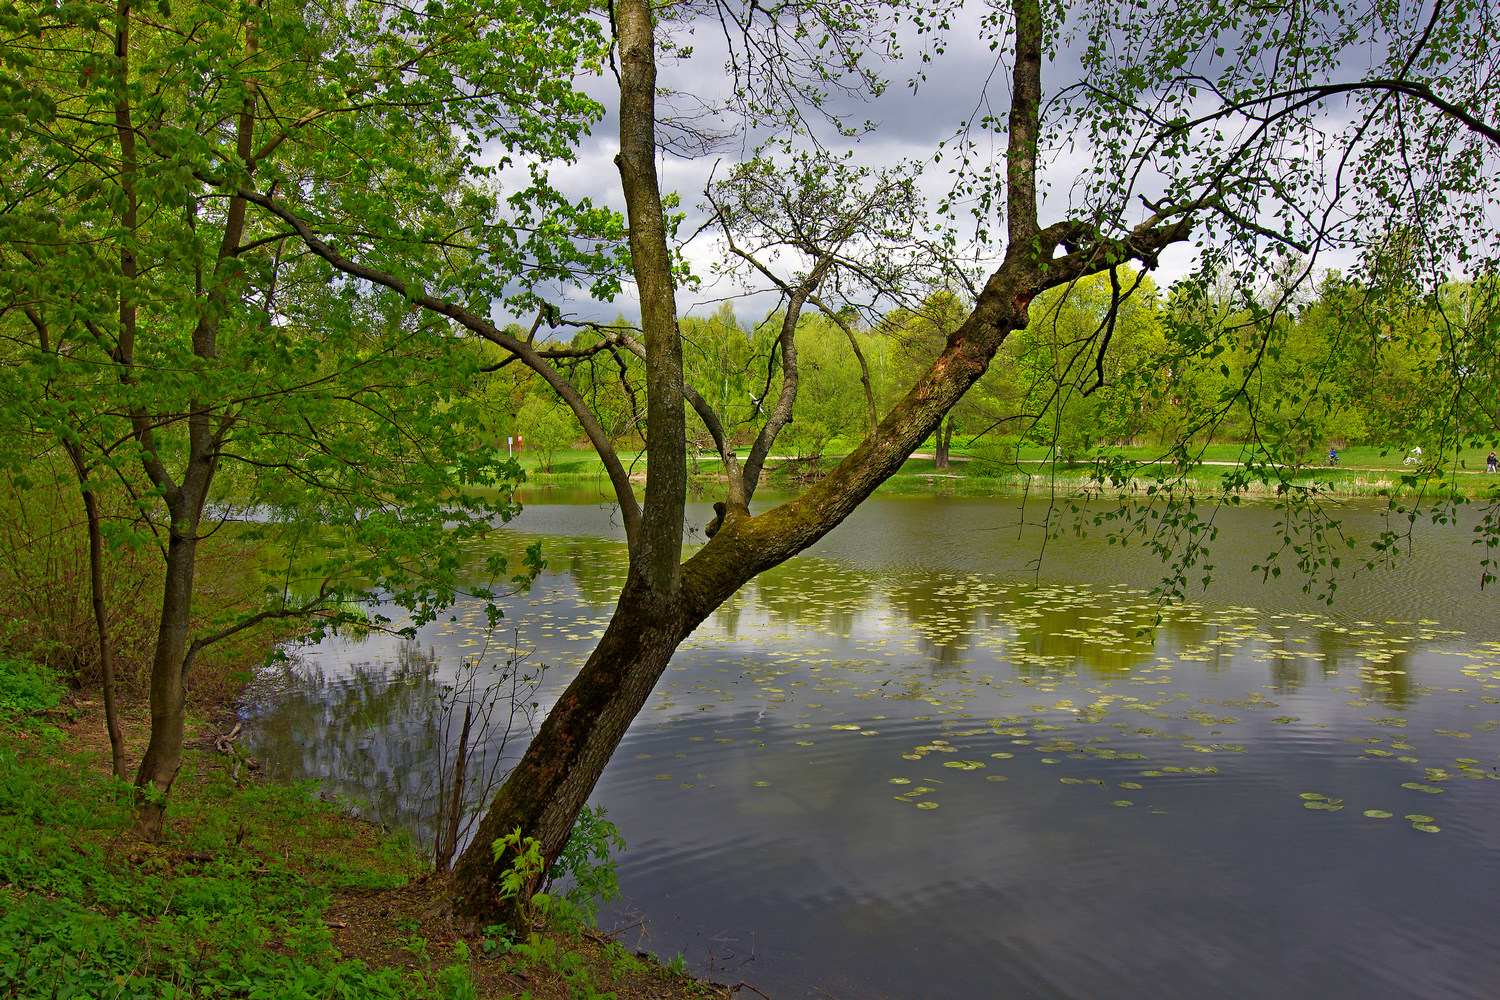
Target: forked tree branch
(629, 510)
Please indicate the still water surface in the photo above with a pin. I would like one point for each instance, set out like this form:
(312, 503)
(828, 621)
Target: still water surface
(911, 763)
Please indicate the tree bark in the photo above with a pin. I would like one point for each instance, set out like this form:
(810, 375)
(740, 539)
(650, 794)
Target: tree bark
(944, 439)
(552, 782)
(658, 550)
(163, 758)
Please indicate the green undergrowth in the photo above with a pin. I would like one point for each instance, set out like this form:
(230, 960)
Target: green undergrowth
(26, 687)
(230, 904)
(259, 891)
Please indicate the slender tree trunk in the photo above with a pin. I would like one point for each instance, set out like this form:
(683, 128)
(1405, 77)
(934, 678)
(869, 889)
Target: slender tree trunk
(944, 439)
(163, 759)
(657, 551)
(186, 499)
(450, 813)
(101, 627)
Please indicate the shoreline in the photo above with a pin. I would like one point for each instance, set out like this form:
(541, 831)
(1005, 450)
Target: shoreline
(257, 883)
(1203, 481)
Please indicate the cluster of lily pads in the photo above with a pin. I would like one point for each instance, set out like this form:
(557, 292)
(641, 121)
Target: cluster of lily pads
(1063, 665)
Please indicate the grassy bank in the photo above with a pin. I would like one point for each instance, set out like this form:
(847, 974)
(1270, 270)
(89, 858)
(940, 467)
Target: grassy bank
(259, 890)
(1362, 471)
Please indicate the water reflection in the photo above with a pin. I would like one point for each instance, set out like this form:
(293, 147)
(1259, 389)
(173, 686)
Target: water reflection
(394, 735)
(881, 774)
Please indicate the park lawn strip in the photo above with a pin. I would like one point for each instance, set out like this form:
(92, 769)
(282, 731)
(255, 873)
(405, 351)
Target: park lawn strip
(1358, 474)
(258, 889)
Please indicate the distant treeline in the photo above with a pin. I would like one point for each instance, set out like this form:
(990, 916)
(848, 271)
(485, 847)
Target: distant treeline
(1104, 362)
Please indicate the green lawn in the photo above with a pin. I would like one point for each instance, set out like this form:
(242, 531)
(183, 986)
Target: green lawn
(1361, 469)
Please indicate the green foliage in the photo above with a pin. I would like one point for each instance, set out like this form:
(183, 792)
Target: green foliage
(57, 949)
(26, 687)
(547, 427)
(44, 580)
(454, 983)
(162, 345)
(589, 863)
(239, 912)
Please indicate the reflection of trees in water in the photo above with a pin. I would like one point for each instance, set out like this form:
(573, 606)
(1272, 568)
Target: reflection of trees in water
(818, 595)
(1056, 630)
(1047, 631)
(1050, 629)
(596, 568)
(727, 617)
(1383, 665)
(383, 735)
(1103, 642)
(945, 620)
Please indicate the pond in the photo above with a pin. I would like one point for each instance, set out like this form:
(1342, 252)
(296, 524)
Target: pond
(913, 763)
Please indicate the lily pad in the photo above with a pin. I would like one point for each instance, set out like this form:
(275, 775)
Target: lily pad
(1417, 786)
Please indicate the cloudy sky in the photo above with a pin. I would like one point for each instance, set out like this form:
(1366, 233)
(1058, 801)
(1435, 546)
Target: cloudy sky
(964, 83)
(967, 81)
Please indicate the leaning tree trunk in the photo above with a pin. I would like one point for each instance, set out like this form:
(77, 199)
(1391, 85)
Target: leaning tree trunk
(553, 780)
(543, 795)
(665, 599)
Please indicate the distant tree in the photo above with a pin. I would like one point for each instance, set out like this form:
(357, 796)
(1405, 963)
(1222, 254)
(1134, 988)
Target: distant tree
(917, 335)
(547, 428)
(840, 387)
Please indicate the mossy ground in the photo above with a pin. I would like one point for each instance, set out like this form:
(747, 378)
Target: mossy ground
(257, 890)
